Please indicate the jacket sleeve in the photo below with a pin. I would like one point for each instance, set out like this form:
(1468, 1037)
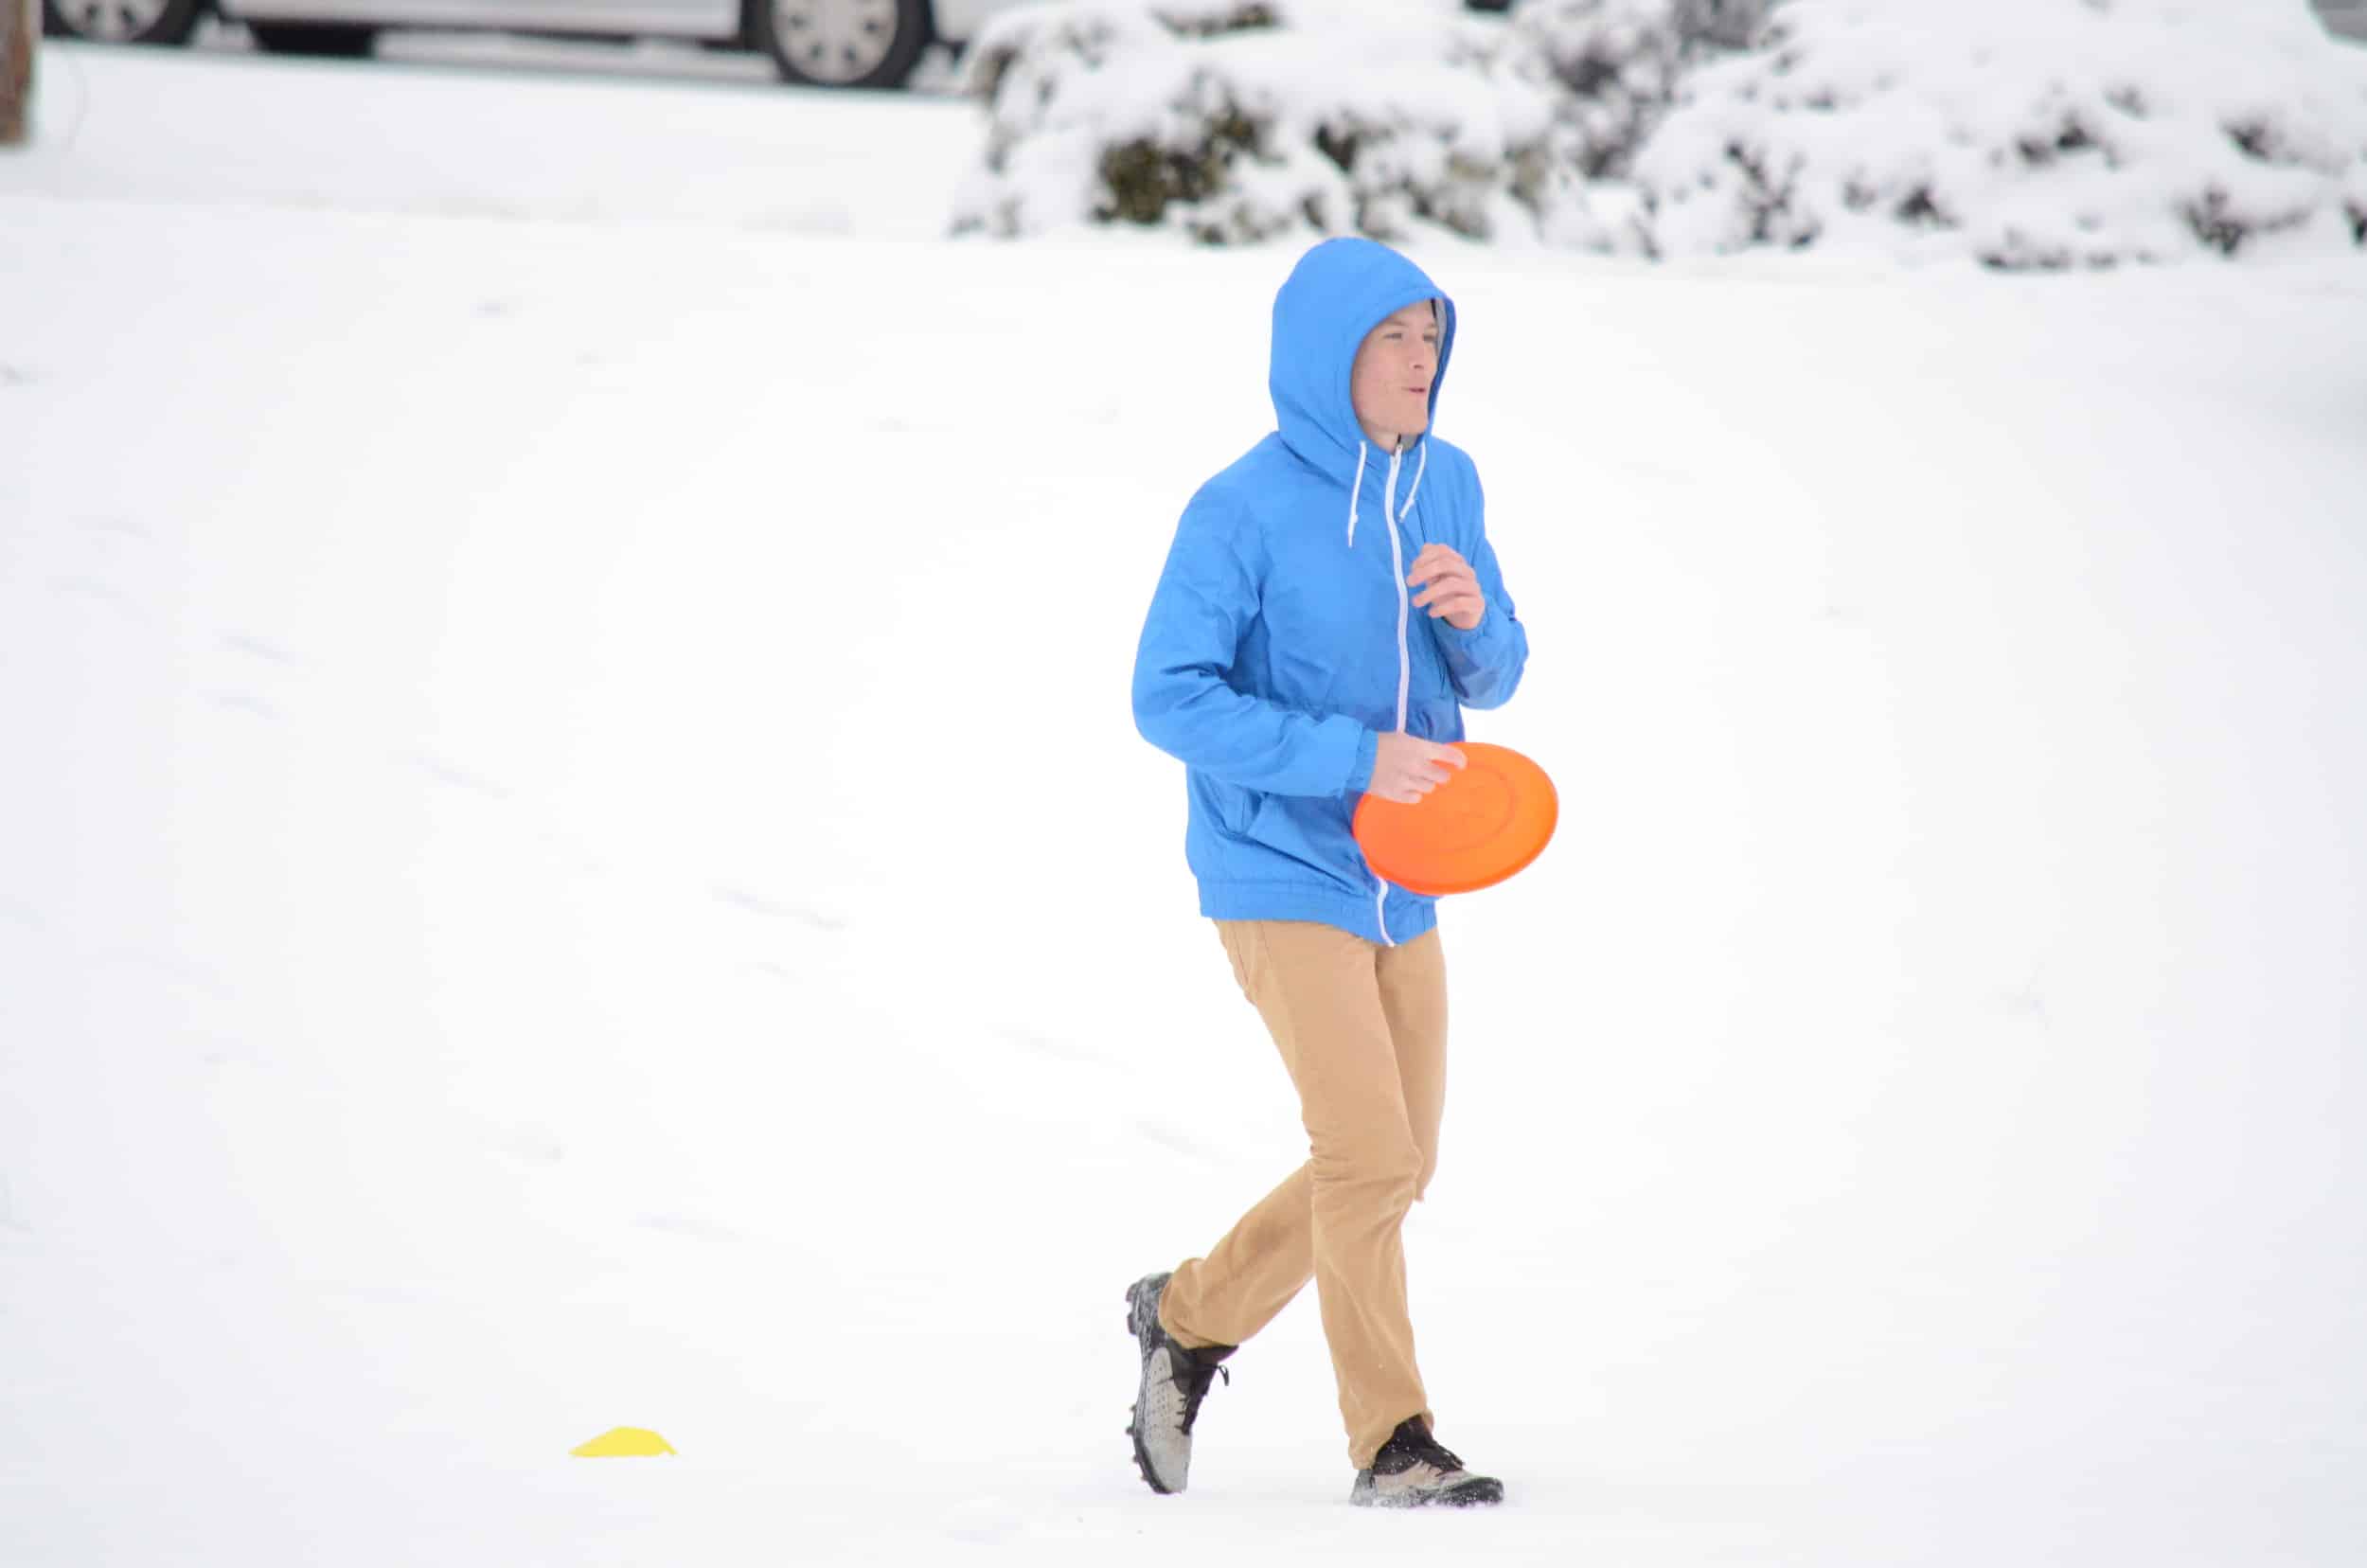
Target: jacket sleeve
(1485, 662)
(1187, 702)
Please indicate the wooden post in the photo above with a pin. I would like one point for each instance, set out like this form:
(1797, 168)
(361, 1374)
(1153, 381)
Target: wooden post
(20, 26)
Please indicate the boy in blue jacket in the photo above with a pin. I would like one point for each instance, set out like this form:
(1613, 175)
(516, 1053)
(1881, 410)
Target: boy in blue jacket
(1330, 607)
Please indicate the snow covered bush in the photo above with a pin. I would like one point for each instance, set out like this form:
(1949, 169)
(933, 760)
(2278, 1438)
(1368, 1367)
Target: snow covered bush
(1618, 64)
(1230, 121)
(2024, 134)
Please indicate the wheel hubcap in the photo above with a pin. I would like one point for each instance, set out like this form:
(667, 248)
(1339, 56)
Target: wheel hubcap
(115, 21)
(835, 40)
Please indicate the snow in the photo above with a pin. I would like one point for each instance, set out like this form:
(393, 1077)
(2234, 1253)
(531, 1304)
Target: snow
(2023, 133)
(430, 138)
(1322, 117)
(571, 855)
(2019, 134)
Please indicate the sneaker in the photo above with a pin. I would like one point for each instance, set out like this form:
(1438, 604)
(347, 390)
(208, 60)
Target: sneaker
(1174, 1382)
(1411, 1470)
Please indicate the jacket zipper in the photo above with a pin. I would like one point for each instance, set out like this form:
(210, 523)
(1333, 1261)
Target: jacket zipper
(1397, 578)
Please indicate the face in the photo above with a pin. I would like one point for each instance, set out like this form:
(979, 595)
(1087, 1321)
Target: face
(1395, 365)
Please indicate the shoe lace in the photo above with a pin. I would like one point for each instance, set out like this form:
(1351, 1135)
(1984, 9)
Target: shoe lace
(1194, 1374)
(1420, 1443)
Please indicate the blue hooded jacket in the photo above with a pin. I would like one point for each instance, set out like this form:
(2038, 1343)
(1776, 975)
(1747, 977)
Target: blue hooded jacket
(1282, 639)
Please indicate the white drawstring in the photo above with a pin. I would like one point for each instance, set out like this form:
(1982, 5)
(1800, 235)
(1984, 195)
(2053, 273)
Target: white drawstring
(1421, 466)
(1352, 490)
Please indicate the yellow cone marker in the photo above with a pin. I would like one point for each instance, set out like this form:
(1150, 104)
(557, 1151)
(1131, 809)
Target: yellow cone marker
(623, 1443)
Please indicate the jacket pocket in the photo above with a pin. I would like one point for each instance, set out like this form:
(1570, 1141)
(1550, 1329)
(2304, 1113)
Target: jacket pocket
(1310, 834)
(1236, 808)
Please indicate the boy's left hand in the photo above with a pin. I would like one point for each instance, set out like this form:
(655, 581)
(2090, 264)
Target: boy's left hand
(1454, 592)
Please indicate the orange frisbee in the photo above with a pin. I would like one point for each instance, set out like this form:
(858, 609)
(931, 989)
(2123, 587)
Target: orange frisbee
(1489, 820)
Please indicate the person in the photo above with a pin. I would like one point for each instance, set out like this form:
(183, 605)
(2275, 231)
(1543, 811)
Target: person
(1329, 608)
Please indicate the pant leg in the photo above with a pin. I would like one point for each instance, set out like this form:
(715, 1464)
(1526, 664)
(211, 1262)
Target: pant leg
(1267, 1257)
(1320, 992)
(1413, 998)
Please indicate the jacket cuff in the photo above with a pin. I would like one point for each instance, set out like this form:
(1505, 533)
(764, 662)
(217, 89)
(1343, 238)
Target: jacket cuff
(1360, 767)
(1482, 633)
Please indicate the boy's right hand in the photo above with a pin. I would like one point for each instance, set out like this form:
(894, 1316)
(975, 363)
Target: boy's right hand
(1406, 768)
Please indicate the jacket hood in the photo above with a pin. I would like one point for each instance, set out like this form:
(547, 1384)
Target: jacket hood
(1340, 290)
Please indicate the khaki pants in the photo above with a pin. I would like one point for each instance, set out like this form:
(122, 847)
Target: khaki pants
(1362, 1029)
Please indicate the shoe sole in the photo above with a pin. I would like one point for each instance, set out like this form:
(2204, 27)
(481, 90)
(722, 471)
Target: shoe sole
(1134, 1326)
(1479, 1491)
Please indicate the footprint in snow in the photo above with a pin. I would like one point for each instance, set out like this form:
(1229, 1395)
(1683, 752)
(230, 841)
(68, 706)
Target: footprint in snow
(116, 528)
(2024, 1001)
(532, 1146)
(1167, 1135)
(982, 1521)
(756, 904)
(814, 220)
(246, 701)
(686, 1225)
(178, 972)
(108, 535)
(458, 778)
(256, 647)
(383, 1293)
(106, 594)
(252, 651)
(1057, 1050)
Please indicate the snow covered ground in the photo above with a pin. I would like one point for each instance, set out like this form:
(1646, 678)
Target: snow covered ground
(221, 127)
(571, 854)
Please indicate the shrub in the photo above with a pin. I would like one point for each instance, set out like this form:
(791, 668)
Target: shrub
(2023, 134)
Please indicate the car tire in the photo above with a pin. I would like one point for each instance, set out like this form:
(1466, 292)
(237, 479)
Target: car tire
(842, 43)
(121, 21)
(324, 39)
